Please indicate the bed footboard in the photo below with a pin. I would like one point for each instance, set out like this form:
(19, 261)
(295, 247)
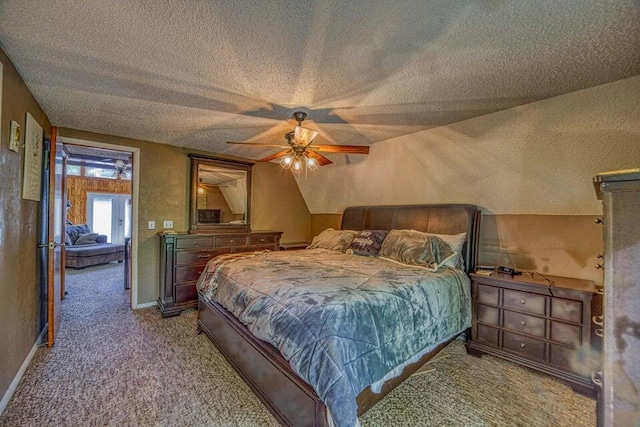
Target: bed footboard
(290, 399)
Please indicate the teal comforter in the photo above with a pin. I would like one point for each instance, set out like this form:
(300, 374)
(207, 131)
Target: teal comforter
(342, 321)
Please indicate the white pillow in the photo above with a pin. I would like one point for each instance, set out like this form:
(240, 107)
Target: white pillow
(456, 241)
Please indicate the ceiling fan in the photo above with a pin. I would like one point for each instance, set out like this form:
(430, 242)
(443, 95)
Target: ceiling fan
(301, 153)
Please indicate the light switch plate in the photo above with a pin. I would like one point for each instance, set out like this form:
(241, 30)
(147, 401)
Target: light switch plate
(152, 225)
(168, 224)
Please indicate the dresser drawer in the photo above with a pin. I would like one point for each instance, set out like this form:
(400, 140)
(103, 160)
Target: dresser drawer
(488, 295)
(188, 274)
(231, 241)
(524, 301)
(262, 239)
(524, 346)
(566, 309)
(186, 293)
(488, 315)
(488, 335)
(195, 243)
(198, 257)
(566, 333)
(525, 324)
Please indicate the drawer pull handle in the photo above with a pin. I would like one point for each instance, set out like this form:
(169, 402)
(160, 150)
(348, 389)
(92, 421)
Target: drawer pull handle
(598, 320)
(600, 290)
(599, 332)
(231, 241)
(200, 272)
(599, 266)
(596, 377)
(598, 220)
(195, 243)
(262, 240)
(523, 301)
(522, 345)
(599, 256)
(204, 256)
(523, 323)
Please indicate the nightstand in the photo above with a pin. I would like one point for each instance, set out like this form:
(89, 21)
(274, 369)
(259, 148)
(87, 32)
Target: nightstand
(542, 322)
(293, 246)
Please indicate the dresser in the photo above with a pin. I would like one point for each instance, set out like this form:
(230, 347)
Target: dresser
(542, 322)
(619, 375)
(184, 256)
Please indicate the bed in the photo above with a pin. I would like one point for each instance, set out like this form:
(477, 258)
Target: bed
(275, 371)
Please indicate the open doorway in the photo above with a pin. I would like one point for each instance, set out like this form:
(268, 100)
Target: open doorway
(99, 216)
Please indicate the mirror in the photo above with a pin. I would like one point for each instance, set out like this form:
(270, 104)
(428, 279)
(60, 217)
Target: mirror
(220, 194)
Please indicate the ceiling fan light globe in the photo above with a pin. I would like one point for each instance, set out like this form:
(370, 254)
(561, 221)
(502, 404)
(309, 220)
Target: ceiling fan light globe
(311, 163)
(297, 166)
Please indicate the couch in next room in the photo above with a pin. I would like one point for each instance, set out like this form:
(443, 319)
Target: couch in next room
(84, 248)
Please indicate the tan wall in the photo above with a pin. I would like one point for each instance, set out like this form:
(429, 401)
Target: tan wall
(277, 203)
(79, 186)
(19, 287)
(320, 222)
(164, 195)
(530, 168)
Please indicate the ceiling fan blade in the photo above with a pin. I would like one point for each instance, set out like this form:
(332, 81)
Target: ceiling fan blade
(275, 156)
(257, 144)
(304, 136)
(322, 160)
(353, 149)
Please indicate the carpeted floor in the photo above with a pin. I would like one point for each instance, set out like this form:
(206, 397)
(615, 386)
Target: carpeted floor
(112, 366)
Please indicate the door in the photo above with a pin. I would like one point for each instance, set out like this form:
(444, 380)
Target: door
(56, 221)
(110, 214)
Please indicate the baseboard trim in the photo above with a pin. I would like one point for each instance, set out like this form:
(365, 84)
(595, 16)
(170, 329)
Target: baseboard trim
(147, 304)
(16, 380)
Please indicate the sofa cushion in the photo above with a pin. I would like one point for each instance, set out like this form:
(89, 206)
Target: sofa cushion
(87, 239)
(75, 231)
(93, 250)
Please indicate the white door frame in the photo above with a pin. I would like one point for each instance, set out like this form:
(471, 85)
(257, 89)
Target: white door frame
(135, 193)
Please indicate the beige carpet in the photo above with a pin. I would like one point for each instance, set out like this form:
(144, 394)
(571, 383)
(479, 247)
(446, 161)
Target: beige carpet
(115, 367)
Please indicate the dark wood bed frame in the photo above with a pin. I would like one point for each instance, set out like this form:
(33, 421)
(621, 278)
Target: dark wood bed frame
(288, 397)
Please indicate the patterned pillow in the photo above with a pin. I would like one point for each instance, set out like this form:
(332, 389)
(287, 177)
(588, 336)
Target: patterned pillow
(415, 248)
(87, 239)
(335, 240)
(367, 242)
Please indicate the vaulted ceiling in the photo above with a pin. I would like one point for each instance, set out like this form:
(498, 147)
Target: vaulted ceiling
(199, 73)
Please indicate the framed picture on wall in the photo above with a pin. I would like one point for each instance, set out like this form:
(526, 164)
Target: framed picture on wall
(32, 181)
(14, 136)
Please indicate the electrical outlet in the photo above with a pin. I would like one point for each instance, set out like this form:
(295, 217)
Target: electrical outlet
(152, 225)
(168, 224)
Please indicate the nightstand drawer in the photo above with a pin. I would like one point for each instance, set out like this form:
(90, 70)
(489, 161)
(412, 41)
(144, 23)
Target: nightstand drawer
(566, 358)
(185, 293)
(566, 333)
(231, 241)
(524, 346)
(566, 309)
(262, 239)
(198, 257)
(488, 335)
(524, 323)
(195, 243)
(488, 315)
(488, 295)
(524, 301)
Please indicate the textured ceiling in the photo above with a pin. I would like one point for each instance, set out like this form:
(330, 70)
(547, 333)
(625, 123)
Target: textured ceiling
(199, 73)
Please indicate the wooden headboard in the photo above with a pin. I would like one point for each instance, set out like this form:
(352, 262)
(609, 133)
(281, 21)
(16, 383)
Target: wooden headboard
(438, 219)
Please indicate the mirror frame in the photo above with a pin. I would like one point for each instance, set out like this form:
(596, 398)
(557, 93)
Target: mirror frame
(195, 226)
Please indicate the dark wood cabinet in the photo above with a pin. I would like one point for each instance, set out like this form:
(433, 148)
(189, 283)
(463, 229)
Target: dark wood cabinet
(542, 322)
(184, 256)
